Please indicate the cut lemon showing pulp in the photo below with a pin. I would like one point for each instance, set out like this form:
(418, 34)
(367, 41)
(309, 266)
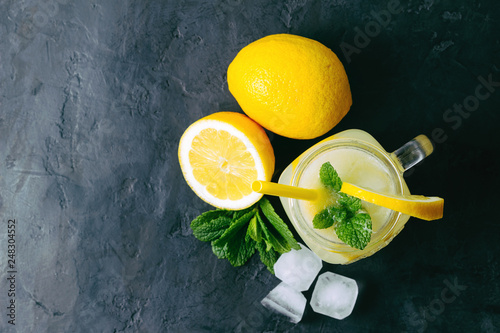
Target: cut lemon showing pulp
(425, 208)
(221, 155)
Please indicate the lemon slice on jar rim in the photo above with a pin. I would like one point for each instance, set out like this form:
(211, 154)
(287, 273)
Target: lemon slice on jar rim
(419, 206)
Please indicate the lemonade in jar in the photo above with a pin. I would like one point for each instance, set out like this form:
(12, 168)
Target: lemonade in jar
(360, 160)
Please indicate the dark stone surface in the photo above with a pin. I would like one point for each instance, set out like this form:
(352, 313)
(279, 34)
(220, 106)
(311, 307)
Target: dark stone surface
(95, 96)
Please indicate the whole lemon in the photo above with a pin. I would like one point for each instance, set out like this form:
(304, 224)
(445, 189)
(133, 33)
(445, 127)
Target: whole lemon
(293, 86)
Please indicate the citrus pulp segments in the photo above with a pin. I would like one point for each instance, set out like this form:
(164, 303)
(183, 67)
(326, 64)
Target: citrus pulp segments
(223, 121)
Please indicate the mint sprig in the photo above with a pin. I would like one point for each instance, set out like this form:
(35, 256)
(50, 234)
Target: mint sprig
(351, 223)
(236, 235)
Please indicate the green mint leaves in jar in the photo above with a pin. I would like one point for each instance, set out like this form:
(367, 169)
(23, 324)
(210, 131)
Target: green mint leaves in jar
(351, 223)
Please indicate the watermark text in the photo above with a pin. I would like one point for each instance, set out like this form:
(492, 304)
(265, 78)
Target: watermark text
(11, 271)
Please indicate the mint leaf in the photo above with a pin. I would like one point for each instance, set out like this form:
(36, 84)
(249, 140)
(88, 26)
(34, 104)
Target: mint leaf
(322, 220)
(254, 230)
(356, 231)
(220, 250)
(238, 251)
(266, 236)
(239, 213)
(211, 225)
(212, 229)
(328, 216)
(278, 224)
(353, 204)
(233, 229)
(232, 244)
(272, 238)
(267, 256)
(329, 177)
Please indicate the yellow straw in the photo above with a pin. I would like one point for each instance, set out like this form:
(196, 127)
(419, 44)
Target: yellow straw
(284, 190)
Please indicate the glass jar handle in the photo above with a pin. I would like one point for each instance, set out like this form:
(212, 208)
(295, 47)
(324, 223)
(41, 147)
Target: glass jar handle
(413, 152)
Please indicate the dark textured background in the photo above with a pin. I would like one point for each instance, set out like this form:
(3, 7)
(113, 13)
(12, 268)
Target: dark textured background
(94, 97)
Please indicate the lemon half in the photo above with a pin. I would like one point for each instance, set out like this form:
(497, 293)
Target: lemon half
(221, 155)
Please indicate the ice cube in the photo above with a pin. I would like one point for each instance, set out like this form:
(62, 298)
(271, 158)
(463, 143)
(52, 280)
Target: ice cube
(334, 295)
(287, 301)
(298, 268)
